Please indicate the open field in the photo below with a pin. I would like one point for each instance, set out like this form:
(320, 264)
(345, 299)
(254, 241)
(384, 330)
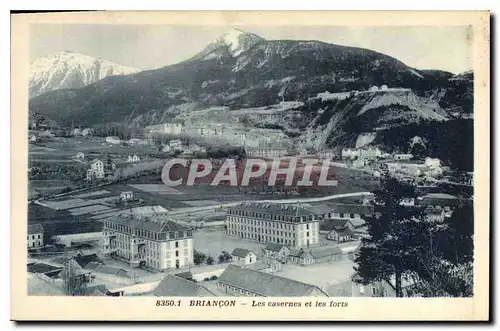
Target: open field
(60, 222)
(212, 241)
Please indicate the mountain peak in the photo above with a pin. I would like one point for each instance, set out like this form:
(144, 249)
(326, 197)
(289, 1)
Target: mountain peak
(238, 41)
(232, 43)
(66, 69)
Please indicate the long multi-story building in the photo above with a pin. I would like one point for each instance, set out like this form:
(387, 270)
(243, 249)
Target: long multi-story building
(153, 241)
(290, 225)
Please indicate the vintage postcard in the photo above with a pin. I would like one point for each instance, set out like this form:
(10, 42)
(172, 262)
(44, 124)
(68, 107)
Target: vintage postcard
(250, 166)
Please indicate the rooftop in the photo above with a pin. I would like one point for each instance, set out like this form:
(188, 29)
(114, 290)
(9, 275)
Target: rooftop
(274, 208)
(320, 209)
(83, 260)
(265, 284)
(325, 251)
(344, 208)
(35, 228)
(273, 247)
(174, 286)
(241, 252)
(335, 223)
(154, 223)
(41, 268)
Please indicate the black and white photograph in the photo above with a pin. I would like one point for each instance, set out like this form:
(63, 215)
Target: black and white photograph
(250, 161)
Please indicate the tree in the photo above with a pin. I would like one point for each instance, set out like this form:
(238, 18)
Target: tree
(395, 233)
(418, 150)
(74, 283)
(210, 260)
(199, 258)
(225, 257)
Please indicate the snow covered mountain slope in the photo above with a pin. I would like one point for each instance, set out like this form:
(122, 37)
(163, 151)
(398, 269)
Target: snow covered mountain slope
(232, 43)
(68, 70)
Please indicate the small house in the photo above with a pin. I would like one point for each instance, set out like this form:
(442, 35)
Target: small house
(133, 159)
(400, 157)
(245, 256)
(301, 257)
(80, 156)
(277, 251)
(126, 195)
(113, 140)
(341, 234)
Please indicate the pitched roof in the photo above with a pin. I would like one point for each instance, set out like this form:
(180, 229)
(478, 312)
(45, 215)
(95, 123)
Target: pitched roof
(83, 260)
(265, 284)
(41, 268)
(274, 208)
(174, 286)
(343, 232)
(154, 223)
(320, 209)
(344, 208)
(257, 265)
(336, 223)
(298, 253)
(92, 266)
(96, 290)
(325, 251)
(186, 275)
(273, 247)
(104, 269)
(241, 252)
(35, 228)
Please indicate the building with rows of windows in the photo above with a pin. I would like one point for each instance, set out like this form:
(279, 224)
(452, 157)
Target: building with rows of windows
(153, 241)
(290, 225)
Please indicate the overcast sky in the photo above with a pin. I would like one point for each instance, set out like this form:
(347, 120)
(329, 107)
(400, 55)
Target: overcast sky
(154, 46)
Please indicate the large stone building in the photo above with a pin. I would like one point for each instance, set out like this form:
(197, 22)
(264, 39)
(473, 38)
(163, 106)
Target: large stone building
(290, 225)
(153, 241)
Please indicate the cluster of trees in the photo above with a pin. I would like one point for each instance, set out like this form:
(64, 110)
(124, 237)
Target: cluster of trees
(200, 258)
(401, 242)
(224, 257)
(56, 171)
(449, 141)
(121, 130)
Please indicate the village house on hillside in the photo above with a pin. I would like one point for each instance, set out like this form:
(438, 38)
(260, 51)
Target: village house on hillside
(266, 151)
(175, 145)
(239, 281)
(126, 195)
(35, 236)
(349, 153)
(133, 158)
(175, 127)
(327, 155)
(96, 170)
(80, 156)
(113, 140)
(403, 156)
